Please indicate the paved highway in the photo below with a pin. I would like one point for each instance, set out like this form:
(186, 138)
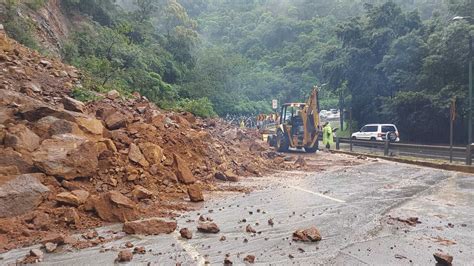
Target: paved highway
(355, 208)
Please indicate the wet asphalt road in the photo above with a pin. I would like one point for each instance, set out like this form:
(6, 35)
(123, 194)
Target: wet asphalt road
(350, 206)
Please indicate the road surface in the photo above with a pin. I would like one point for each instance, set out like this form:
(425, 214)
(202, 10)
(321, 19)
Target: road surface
(351, 206)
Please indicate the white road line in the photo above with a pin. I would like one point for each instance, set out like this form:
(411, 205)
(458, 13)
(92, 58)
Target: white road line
(199, 259)
(312, 192)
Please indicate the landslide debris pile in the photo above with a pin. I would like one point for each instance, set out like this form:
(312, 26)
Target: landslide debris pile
(66, 165)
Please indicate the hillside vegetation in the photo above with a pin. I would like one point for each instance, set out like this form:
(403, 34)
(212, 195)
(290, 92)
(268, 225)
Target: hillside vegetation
(386, 61)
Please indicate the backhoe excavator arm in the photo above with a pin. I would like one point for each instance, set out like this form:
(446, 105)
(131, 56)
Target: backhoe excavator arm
(310, 116)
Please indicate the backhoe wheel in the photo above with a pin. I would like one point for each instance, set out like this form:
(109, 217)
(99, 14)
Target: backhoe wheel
(311, 149)
(282, 142)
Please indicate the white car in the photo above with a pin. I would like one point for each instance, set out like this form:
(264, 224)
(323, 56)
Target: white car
(377, 132)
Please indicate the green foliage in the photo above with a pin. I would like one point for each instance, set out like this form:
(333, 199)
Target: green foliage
(18, 26)
(200, 107)
(35, 4)
(396, 61)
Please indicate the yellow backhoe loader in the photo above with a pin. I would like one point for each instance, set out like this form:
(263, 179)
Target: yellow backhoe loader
(298, 126)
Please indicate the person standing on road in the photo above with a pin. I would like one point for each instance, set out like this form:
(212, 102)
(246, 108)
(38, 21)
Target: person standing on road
(328, 138)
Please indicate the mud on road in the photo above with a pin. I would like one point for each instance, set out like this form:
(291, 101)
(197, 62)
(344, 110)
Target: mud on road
(359, 210)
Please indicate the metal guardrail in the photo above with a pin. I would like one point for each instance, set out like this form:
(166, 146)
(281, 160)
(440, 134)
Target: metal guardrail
(388, 146)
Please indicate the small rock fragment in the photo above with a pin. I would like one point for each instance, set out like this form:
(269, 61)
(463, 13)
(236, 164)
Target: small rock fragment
(113, 94)
(307, 235)
(250, 229)
(227, 261)
(186, 233)
(208, 228)
(50, 247)
(249, 259)
(139, 250)
(443, 259)
(37, 253)
(124, 256)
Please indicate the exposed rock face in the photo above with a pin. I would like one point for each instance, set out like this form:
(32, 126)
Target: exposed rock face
(67, 156)
(20, 138)
(152, 226)
(21, 194)
(114, 207)
(182, 171)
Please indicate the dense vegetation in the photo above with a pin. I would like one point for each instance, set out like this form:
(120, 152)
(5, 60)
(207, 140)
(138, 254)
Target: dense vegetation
(397, 61)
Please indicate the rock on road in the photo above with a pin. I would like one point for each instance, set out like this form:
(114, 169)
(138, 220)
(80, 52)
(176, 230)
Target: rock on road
(356, 209)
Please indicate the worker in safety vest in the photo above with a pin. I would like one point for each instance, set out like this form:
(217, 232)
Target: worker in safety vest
(328, 137)
(242, 124)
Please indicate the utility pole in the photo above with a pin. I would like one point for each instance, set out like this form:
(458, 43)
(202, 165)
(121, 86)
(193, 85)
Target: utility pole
(470, 90)
(469, 157)
(469, 122)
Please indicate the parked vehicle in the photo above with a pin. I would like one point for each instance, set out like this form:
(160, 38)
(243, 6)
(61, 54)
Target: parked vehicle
(378, 132)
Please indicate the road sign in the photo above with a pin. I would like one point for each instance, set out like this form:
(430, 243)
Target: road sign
(274, 104)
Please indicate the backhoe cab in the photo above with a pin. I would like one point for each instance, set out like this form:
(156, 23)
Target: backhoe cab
(298, 126)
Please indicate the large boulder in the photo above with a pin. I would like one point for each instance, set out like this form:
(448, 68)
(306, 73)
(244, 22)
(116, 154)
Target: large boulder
(75, 197)
(195, 193)
(9, 157)
(114, 207)
(67, 156)
(6, 115)
(90, 125)
(116, 120)
(152, 152)
(21, 194)
(49, 126)
(21, 138)
(152, 226)
(73, 104)
(34, 113)
(183, 173)
(135, 155)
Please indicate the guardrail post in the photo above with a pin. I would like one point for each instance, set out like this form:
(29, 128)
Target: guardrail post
(469, 154)
(337, 143)
(386, 147)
